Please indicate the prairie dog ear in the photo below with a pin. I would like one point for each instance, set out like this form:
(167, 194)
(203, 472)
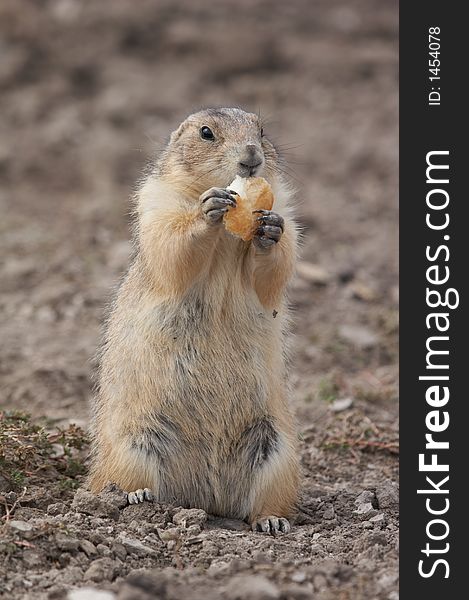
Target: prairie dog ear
(176, 134)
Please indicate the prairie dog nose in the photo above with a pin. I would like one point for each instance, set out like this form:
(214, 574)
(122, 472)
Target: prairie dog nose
(250, 161)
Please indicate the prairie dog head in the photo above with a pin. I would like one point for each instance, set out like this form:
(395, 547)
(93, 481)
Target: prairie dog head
(214, 145)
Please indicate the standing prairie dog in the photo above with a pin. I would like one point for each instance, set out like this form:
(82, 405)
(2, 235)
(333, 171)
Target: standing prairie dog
(192, 406)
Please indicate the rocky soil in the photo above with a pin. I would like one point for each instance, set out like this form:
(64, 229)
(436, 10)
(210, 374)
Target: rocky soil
(88, 93)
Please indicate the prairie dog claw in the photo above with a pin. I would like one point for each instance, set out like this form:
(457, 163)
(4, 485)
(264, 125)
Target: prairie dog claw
(270, 229)
(140, 495)
(215, 203)
(272, 525)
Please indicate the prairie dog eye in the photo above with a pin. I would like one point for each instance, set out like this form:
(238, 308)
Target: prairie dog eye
(206, 133)
(262, 132)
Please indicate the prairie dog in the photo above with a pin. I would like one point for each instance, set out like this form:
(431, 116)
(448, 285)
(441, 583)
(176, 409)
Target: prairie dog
(192, 400)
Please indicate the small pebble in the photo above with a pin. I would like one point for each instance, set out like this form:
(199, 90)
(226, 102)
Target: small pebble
(341, 404)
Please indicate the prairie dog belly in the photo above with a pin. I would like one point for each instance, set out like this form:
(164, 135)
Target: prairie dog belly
(204, 428)
(214, 364)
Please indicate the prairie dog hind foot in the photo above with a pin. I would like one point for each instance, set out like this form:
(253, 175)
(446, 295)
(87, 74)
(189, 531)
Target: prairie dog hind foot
(140, 495)
(271, 524)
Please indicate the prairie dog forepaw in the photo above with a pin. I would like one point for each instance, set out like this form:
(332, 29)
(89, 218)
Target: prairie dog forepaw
(215, 203)
(270, 229)
(272, 525)
(140, 495)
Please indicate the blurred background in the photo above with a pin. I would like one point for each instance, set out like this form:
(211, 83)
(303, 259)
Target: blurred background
(89, 91)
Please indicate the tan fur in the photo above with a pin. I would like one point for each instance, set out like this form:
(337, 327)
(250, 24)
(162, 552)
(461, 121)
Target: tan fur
(193, 359)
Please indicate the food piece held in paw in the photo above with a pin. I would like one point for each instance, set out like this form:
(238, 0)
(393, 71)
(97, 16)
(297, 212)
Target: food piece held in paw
(253, 193)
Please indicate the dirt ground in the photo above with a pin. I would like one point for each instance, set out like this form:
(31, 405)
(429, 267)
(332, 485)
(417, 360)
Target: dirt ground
(88, 92)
